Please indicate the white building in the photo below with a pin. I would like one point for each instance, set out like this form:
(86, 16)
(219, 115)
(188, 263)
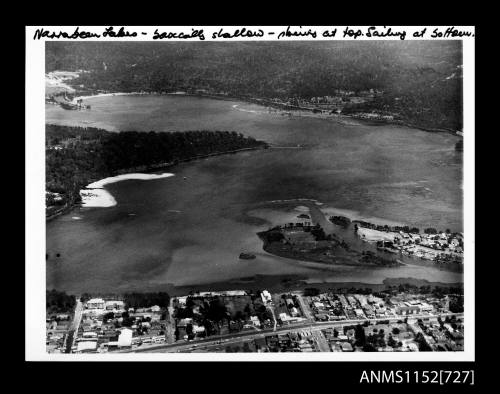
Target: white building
(89, 334)
(198, 329)
(266, 296)
(95, 303)
(255, 321)
(125, 337)
(111, 305)
(86, 346)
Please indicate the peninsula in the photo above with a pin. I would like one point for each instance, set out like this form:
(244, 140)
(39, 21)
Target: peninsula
(77, 157)
(303, 241)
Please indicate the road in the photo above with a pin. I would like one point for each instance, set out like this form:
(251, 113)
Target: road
(75, 324)
(170, 330)
(238, 337)
(305, 308)
(271, 308)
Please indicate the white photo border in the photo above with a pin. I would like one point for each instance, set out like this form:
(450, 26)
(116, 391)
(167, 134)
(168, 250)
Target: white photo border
(35, 230)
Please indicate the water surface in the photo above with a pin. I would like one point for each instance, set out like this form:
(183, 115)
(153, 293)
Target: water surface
(185, 231)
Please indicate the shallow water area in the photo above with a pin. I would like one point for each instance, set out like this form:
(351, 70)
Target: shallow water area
(190, 228)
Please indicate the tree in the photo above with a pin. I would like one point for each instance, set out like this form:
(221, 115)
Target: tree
(107, 316)
(360, 335)
(85, 297)
(423, 346)
(59, 302)
(369, 348)
(456, 304)
(311, 292)
(128, 321)
(239, 315)
(217, 311)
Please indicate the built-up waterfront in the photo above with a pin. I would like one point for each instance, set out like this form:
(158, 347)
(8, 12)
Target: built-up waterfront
(400, 319)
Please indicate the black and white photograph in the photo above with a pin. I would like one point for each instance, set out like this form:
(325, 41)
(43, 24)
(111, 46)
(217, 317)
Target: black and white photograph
(283, 196)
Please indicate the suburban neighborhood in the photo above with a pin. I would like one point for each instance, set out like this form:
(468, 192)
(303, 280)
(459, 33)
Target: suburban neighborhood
(402, 319)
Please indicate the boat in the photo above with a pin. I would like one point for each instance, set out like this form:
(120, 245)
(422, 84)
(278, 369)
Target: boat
(69, 106)
(247, 256)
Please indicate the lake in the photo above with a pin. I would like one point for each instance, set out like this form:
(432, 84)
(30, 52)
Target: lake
(191, 228)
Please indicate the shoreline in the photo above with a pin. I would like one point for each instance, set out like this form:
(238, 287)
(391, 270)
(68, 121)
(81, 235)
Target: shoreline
(96, 196)
(363, 256)
(145, 170)
(281, 109)
(279, 283)
(343, 256)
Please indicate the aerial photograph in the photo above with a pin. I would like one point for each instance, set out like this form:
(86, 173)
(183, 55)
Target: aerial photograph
(254, 196)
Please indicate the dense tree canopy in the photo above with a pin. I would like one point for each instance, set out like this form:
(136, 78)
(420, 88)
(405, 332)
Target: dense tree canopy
(59, 302)
(421, 80)
(77, 156)
(143, 300)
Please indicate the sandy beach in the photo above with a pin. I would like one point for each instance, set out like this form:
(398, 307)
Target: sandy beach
(370, 235)
(95, 196)
(75, 100)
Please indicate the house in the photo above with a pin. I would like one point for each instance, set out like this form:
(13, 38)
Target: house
(184, 322)
(266, 296)
(425, 307)
(198, 329)
(412, 347)
(233, 293)
(52, 325)
(114, 305)
(255, 321)
(95, 303)
(322, 316)
(125, 337)
(89, 335)
(86, 346)
(403, 309)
